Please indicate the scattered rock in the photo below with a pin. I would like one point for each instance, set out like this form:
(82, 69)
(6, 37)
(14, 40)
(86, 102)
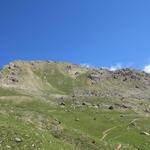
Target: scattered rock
(111, 107)
(18, 140)
(146, 111)
(56, 130)
(57, 121)
(98, 105)
(94, 118)
(68, 68)
(125, 79)
(9, 67)
(93, 141)
(77, 119)
(14, 80)
(73, 96)
(121, 116)
(62, 104)
(122, 105)
(8, 146)
(145, 133)
(62, 98)
(122, 98)
(76, 73)
(95, 106)
(86, 104)
(13, 73)
(93, 76)
(33, 145)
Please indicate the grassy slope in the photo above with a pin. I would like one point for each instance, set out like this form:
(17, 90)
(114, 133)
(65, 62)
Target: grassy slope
(43, 78)
(7, 92)
(32, 121)
(35, 121)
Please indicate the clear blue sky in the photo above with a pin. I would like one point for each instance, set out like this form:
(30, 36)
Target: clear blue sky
(97, 32)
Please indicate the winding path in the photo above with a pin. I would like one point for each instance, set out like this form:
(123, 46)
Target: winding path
(132, 122)
(105, 133)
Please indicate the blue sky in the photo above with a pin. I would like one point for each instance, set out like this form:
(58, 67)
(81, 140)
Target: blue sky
(106, 33)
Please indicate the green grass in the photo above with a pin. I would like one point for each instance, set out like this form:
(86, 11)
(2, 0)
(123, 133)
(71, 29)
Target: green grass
(8, 92)
(62, 82)
(31, 137)
(32, 120)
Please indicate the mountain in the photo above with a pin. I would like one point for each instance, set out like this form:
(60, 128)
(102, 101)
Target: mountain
(60, 106)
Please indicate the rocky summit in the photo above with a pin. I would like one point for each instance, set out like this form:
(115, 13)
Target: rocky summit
(60, 106)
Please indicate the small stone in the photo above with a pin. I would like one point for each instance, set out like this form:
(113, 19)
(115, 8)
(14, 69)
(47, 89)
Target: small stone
(18, 139)
(145, 133)
(96, 107)
(33, 145)
(94, 118)
(83, 103)
(8, 146)
(62, 104)
(93, 142)
(77, 119)
(111, 107)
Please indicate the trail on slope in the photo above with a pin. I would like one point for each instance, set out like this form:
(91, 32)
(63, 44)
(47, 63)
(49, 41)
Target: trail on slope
(134, 120)
(105, 133)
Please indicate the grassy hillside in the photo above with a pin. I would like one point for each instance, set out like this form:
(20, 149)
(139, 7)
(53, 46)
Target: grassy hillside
(60, 106)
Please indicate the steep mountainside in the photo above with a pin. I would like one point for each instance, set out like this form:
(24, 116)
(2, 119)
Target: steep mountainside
(60, 106)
